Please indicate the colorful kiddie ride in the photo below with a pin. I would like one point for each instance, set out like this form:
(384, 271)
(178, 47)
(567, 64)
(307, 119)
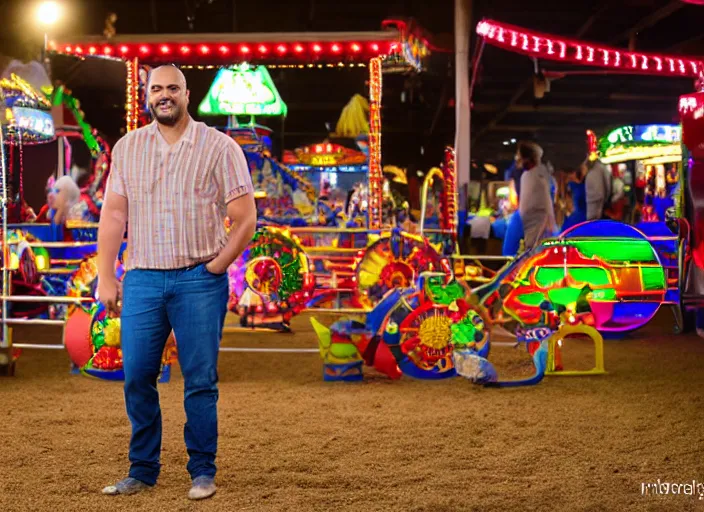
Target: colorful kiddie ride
(26, 122)
(92, 337)
(579, 284)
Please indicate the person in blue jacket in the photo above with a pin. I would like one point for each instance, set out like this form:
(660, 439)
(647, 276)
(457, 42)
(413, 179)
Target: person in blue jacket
(578, 191)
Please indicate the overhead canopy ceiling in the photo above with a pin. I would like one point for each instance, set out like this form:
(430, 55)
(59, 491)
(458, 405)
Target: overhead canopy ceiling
(505, 106)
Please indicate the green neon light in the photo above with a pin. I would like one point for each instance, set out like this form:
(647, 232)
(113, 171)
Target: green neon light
(604, 294)
(531, 299)
(595, 276)
(653, 278)
(243, 90)
(59, 96)
(564, 296)
(548, 276)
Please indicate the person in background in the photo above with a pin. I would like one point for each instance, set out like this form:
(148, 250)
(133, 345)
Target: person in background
(575, 182)
(536, 205)
(513, 176)
(597, 182)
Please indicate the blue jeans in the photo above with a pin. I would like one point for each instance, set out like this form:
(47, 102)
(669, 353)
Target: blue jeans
(192, 302)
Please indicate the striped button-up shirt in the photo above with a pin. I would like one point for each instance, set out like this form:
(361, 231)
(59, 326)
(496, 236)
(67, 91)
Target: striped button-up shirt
(177, 195)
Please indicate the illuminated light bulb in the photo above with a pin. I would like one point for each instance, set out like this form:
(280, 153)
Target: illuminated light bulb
(317, 48)
(617, 60)
(525, 42)
(606, 57)
(204, 49)
(492, 31)
(298, 48)
(336, 48)
(123, 49)
(658, 60)
(634, 61)
(356, 48)
(165, 49)
(374, 47)
(482, 28)
(185, 49)
(67, 49)
(262, 48)
(590, 54)
(92, 50)
(551, 50)
(244, 49)
(563, 50)
(281, 48)
(695, 68)
(107, 50)
(580, 55)
(681, 65)
(79, 49)
(536, 44)
(143, 49)
(672, 65)
(500, 37)
(514, 38)
(645, 62)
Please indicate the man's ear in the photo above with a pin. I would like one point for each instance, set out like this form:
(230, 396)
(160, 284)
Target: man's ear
(188, 96)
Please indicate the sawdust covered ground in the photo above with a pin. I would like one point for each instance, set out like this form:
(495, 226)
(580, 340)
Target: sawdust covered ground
(290, 442)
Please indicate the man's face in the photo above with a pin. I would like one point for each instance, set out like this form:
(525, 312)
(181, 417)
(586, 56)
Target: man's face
(168, 96)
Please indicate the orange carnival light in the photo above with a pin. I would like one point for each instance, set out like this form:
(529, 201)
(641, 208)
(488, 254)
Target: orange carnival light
(376, 177)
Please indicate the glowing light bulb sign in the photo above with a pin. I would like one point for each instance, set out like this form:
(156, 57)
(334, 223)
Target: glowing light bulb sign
(243, 90)
(36, 121)
(638, 142)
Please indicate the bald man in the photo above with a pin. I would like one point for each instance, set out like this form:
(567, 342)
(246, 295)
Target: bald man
(172, 183)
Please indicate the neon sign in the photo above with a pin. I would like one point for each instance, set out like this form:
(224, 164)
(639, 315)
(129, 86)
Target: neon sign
(243, 90)
(31, 120)
(645, 133)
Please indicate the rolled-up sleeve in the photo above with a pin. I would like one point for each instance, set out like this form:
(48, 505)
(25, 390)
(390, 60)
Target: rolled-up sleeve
(232, 173)
(116, 179)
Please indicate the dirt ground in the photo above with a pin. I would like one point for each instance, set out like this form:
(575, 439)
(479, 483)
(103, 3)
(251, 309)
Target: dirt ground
(291, 442)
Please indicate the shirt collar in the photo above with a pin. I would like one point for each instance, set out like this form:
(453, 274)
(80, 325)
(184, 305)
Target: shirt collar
(188, 136)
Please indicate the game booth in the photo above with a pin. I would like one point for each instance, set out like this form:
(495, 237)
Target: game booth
(648, 160)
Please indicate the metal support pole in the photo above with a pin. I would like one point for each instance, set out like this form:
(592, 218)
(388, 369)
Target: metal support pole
(5, 342)
(463, 16)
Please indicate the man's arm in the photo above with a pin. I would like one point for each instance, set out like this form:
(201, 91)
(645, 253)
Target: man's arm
(235, 185)
(243, 223)
(111, 228)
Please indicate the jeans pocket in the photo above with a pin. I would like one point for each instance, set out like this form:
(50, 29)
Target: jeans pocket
(207, 272)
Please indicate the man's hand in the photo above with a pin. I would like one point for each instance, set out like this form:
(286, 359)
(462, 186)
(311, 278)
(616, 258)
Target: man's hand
(214, 267)
(110, 294)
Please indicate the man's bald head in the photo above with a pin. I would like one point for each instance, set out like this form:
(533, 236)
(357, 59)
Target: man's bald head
(168, 73)
(167, 95)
